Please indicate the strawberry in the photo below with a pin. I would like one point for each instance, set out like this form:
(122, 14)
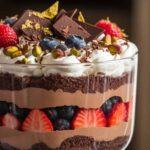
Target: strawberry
(117, 114)
(10, 121)
(110, 28)
(89, 118)
(8, 37)
(37, 121)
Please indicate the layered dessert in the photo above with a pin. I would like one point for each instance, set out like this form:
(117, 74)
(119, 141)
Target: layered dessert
(64, 83)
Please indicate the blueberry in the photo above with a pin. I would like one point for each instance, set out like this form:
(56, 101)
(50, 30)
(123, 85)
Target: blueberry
(62, 124)
(4, 108)
(51, 113)
(49, 44)
(75, 41)
(10, 21)
(66, 112)
(20, 113)
(108, 105)
(62, 47)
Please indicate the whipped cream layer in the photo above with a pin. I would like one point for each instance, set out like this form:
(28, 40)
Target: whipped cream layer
(100, 61)
(55, 139)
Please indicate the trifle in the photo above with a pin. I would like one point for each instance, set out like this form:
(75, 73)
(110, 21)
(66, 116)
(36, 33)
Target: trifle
(64, 83)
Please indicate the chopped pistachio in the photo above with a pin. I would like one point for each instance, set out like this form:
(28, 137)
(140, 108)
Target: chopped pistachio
(25, 60)
(37, 26)
(37, 51)
(10, 50)
(115, 49)
(16, 54)
(75, 52)
(47, 31)
(57, 53)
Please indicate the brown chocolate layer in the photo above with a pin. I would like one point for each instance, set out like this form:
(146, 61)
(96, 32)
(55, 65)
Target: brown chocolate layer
(78, 143)
(85, 84)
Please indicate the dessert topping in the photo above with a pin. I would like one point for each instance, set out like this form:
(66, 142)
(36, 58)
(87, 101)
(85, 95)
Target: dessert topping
(110, 28)
(80, 17)
(37, 121)
(37, 51)
(8, 37)
(57, 53)
(75, 41)
(51, 12)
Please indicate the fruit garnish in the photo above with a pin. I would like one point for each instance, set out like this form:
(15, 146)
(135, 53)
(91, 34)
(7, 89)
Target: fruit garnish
(81, 17)
(8, 37)
(111, 28)
(51, 12)
(10, 50)
(37, 121)
(10, 121)
(62, 124)
(108, 39)
(89, 118)
(117, 114)
(75, 41)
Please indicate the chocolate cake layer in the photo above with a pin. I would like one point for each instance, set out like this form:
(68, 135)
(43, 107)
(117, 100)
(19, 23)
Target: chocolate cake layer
(85, 84)
(78, 143)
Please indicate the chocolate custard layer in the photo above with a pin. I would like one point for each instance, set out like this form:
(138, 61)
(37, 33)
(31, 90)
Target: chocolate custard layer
(55, 139)
(78, 143)
(28, 98)
(85, 84)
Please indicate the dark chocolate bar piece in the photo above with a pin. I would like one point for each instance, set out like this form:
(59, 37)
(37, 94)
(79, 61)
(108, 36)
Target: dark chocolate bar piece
(93, 30)
(66, 26)
(32, 23)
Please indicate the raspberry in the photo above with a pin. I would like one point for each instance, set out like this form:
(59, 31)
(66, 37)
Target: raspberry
(110, 28)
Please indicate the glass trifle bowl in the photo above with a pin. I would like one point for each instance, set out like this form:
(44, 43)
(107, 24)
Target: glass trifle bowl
(65, 84)
(69, 106)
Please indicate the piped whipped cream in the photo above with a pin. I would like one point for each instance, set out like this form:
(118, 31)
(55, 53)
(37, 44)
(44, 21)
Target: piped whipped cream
(101, 61)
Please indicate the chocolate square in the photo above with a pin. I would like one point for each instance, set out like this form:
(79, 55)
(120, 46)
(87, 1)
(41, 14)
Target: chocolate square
(66, 26)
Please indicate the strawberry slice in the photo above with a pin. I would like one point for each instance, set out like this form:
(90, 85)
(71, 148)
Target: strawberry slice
(10, 121)
(89, 118)
(117, 114)
(37, 121)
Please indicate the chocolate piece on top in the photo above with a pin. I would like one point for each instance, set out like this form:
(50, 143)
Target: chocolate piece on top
(94, 31)
(33, 25)
(65, 27)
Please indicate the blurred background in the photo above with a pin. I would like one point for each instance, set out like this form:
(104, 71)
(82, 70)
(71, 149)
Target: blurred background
(131, 15)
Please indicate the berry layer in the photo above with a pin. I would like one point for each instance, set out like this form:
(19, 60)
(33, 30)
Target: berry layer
(54, 139)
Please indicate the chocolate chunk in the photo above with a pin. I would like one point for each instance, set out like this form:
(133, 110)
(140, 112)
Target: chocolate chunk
(65, 27)
(32, 23)
(94, 31)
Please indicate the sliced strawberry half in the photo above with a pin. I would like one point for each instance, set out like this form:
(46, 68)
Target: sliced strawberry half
(37, 121)
(10, 121)
(89, 118)
(117, 114)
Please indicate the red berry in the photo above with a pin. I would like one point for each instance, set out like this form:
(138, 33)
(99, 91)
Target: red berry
(117, 114)
(8, 37)
(10, 121)
(89, 118)
(37, 121)
(110, 28)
